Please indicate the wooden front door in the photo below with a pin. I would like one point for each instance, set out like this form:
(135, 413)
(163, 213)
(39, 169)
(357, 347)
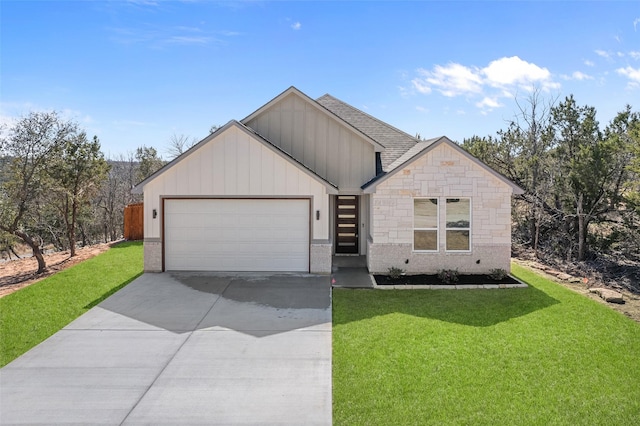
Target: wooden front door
(347, 224)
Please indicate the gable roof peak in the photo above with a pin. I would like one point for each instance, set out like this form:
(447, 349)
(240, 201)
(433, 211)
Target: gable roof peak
(292, 89)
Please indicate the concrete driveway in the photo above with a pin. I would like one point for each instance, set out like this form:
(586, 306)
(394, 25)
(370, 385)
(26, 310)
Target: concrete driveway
(184, 348)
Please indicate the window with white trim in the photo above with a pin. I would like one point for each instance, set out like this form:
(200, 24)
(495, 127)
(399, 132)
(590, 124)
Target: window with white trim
(425, 224)
(458, 224)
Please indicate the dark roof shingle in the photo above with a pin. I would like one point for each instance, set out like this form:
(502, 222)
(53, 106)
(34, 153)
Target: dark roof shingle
(396, 142)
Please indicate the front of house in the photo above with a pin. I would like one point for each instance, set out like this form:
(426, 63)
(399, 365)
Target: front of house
(301, 180)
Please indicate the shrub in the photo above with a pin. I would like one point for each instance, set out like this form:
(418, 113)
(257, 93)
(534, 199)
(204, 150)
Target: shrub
(395, 273)
(448, 276)
(498, 274)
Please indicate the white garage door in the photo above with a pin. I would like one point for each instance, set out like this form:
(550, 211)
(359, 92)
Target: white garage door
(236, 235)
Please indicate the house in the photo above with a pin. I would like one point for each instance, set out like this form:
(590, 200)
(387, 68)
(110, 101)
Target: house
(301, 180)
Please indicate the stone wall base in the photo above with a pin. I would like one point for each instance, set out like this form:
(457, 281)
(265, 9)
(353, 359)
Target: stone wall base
(320, 258)
(481, 260)
(152, 256)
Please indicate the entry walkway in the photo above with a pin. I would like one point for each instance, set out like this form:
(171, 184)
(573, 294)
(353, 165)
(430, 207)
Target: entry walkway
(184, 348)
(350, 272)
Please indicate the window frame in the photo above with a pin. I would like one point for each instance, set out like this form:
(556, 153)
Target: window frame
(447, 229)
(436, 229)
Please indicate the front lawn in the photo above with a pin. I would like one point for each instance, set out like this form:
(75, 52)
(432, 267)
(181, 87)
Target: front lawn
(29, 316)
(541, 355)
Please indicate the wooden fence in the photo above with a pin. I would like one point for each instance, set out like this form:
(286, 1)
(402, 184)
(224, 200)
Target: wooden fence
(134, 222)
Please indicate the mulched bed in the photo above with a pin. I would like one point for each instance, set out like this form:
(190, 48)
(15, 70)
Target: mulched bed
(434, 280)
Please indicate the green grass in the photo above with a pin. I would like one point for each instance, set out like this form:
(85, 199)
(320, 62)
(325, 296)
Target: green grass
(537, 356)
(29, 316)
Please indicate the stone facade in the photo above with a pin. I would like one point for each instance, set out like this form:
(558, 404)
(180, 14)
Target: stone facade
(152, 255)
(320, 257)
(381, 257)
(442, 173)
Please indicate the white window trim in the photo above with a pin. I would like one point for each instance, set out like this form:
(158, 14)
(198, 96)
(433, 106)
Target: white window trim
(437, 228)
(446, 228)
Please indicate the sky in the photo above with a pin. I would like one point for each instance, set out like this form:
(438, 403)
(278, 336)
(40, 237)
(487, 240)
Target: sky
(140, 72)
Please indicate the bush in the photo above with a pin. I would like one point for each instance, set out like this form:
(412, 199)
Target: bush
(395, 273)
(498, 274)
(448, 276)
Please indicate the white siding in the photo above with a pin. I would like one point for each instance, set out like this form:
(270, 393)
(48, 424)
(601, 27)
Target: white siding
(328, 147)
(235, 164)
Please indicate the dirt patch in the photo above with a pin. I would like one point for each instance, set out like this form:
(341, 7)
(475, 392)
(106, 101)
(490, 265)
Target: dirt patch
(19, 273)
(630, 308)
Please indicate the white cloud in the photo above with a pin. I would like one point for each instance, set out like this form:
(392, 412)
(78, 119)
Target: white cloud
(420, 86)
(500, 79)
(422, 109)
(589, 63)
(635, 54)
(451, 80)
(632, 74)
(514, 71)
(488, 103)
(296, 26)
(602, 53)
(635, 24)
(578, 75)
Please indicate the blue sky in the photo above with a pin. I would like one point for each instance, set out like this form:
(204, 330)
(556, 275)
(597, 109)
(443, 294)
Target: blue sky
(137, 72)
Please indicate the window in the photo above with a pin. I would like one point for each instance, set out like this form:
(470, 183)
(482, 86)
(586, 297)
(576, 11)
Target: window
(458, 228)
(425, 224)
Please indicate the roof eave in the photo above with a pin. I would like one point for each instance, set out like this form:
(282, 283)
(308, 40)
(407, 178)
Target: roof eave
(331, 188)
(370, 187)
(139, 188)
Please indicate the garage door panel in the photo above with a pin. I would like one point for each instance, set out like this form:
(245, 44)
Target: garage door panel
(237, 235)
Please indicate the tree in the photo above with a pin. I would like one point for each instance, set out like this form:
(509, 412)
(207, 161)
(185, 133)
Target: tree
(521, 153)
(115, 194)
(148, 161)
(179, 144)
(624, 132)
(589, 169)
(30, 144)
(531, 134)
(76, 176)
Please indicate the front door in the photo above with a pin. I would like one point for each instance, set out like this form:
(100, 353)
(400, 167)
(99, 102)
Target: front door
(347, 224)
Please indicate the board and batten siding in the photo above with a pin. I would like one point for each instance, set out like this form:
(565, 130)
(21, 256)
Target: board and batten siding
(332, 149)
(235, 164)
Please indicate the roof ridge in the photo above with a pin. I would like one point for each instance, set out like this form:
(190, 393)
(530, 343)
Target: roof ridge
(368, 115)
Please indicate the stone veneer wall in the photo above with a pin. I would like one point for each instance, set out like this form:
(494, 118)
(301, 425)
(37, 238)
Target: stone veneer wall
(443, 172)
(320, 257)
(152, 255)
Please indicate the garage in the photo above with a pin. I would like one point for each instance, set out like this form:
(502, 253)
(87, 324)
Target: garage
(236, 235)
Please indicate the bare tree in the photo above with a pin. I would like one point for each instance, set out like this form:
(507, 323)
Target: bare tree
(115, 194)
(178, 144)
(532, 122)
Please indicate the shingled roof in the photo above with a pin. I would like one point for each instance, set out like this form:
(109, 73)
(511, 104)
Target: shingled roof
(396, 142)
